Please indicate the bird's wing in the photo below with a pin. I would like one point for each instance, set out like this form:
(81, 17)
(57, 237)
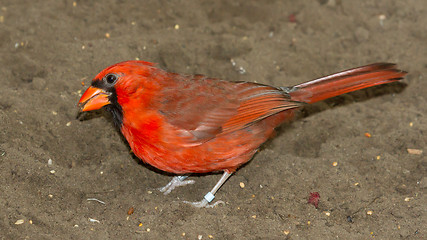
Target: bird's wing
(203, 108)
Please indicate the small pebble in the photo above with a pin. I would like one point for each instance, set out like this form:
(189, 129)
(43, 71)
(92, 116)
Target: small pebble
(38, 83)
(361, 34)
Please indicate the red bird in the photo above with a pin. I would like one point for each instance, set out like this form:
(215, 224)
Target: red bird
(186, 124)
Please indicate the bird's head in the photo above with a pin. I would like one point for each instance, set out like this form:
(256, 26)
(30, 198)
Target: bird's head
(115, 85)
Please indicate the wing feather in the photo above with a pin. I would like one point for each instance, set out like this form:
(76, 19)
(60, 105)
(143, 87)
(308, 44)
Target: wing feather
(204, 107)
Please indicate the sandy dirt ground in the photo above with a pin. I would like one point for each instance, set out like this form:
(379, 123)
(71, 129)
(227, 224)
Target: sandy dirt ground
(49, 49)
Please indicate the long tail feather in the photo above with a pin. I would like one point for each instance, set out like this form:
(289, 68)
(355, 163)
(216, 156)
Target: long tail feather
(346, 81)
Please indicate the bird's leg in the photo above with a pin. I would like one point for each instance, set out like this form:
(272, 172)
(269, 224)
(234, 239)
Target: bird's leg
(176, 181)
(211, 195)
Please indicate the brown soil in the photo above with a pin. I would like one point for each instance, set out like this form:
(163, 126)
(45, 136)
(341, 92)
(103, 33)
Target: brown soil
(48, 48)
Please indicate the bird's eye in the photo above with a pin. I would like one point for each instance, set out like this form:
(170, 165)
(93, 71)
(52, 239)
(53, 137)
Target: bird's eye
(111, 78)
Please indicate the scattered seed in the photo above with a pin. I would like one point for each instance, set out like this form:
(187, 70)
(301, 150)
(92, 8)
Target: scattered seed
(210, 236)
(308, 222)
(148, 230)
(140, 225)
(378, 157)
(176, 26)
(131, 210)
(68, 124)
(368, 135)
(31, 221)
(52, 171)
(328, 214)
(415, 151)
(242, 184)
(411, 124)
(49, 162)
(407, 199)
(286, 232)
(334, 164)
(253, 216)
(369, 212)
(107, 35)
(74, 4)
(93, 220)
(19, 222)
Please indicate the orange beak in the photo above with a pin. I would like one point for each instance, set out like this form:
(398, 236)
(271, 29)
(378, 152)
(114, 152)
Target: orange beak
(93, 99)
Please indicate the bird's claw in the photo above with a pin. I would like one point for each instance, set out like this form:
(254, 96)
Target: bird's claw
(204, 204)
(176, 181)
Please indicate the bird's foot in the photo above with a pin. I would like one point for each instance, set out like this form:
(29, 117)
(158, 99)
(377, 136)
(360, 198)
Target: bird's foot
(204, 204)
(176, 181)
(205, 201)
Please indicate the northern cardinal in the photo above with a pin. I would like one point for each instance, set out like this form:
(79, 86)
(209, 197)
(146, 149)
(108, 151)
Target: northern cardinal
(186, 124)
